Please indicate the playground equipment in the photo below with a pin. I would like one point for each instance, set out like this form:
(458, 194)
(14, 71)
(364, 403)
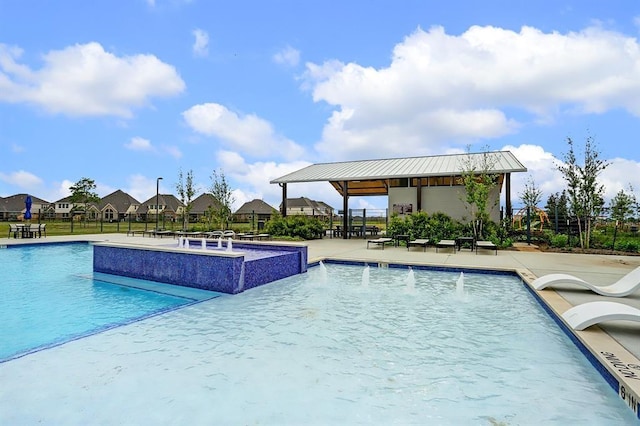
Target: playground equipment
(535, 211)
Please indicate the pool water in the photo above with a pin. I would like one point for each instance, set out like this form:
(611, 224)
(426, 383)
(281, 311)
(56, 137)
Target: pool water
(49, 295)
(325, 347)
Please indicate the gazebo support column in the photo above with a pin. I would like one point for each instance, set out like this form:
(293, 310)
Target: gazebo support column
(345, 209)
(507, 196)
(419, 194)
(284, 199)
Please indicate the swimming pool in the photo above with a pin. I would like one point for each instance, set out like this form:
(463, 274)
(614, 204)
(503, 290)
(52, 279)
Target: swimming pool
(332, 350)
(49, 296)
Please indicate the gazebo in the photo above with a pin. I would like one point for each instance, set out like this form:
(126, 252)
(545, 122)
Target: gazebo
(430, 182)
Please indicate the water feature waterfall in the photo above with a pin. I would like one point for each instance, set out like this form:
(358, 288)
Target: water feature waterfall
(219, 242)
(203, 243)
(229, 244)
(365, 276)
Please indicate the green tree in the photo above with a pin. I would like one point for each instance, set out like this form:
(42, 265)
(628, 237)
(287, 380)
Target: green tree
(186, 192)
(623, 206)
(478, 181)
(585, 193)
(222, 192)
(557, 207)
(82, 194)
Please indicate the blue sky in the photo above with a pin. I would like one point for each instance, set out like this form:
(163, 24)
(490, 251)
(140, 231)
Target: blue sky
(123, 92)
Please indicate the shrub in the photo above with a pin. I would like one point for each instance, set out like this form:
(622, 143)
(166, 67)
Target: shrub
(300, 226)
(630, 246)
(397, 226)
(559, 240)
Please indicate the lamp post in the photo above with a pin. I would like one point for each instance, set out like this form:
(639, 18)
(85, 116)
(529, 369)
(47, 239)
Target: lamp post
(157, 200)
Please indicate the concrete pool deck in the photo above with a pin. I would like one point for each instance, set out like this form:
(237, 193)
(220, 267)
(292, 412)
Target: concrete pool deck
(616, 344)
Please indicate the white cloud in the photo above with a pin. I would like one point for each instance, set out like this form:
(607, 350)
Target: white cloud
(254, 178)
(287, 56)
(248, 134)
(143, 188)
(619, 175)
(61, 190)
(139, 144)
(22, 179)
(201, 43)
(85, 80)
(173, 151)
(459, 89)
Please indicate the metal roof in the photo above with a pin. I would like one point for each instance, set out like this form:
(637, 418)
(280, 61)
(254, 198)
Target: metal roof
(438, 165)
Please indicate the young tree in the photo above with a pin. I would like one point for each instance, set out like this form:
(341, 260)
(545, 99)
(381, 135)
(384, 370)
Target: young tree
(83, 194)
(585, 193)
(478, 182)
(557, 208)
(186, 191)
(623, 206)
(531, 195)
(222, 192)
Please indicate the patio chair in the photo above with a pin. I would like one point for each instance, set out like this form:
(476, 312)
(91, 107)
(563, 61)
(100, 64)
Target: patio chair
(591, 313)
(34, 230)
(13, 229)
(228, 233)
(621, 288)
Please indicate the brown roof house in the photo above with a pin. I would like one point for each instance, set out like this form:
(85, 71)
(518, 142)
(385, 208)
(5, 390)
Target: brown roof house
(201, 208)
(65, 209)
(306, 206)
(13, 207)
(118, 206)
(170, 208)
(254, 211)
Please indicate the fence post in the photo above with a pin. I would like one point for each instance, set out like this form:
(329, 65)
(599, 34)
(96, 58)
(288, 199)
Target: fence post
(528, 225)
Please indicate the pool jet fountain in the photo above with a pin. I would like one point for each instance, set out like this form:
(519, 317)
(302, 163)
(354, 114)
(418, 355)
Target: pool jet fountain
(410, 281)
(323, 273)
(460, 286)
(365, 276)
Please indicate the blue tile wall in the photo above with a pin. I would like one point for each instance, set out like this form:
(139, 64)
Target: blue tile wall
(224, 274)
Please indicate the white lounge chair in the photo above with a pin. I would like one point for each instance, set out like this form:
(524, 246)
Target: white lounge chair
(445, 244)
(422, 242)
(380, 242)
(621, 288)
(585, 315)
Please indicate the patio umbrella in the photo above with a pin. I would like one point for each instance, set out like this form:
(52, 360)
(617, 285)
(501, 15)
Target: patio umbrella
(27, 204)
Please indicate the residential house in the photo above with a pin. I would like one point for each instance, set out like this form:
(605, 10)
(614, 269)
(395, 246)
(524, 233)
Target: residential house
(255, 212)
(118, 206)
(65, 209)
(201, 206)
(169, 208)
(13, 207)
(306, 206)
